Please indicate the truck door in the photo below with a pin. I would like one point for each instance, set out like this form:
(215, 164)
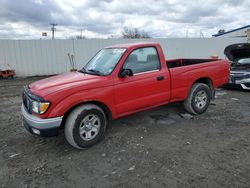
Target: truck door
(149, 85)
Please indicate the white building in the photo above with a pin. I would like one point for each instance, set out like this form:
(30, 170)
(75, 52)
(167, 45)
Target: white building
(239, 32)
(48, 57)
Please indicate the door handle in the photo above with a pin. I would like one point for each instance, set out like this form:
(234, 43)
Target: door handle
(159, 78)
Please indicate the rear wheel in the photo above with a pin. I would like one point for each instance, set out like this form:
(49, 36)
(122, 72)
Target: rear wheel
(198, 99)
(85, 126)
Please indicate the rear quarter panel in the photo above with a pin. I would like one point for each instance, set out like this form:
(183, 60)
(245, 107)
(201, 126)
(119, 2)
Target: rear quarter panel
(184, 77)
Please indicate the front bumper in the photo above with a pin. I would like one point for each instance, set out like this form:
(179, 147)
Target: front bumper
(38, 126)
(245, 83)
(241, 83)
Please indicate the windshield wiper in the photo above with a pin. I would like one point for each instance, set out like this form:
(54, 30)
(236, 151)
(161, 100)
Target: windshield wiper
(96, 72)
(83, 70)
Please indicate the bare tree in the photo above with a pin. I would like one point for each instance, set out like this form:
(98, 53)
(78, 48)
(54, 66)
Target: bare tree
(134, 33)
(80, 37)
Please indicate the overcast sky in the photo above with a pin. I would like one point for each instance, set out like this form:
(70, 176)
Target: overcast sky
(27, 19)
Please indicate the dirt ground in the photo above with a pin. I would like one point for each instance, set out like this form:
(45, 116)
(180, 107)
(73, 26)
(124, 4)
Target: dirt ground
(155, 148)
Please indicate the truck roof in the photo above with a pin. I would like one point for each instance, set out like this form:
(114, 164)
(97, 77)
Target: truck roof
(131, 45)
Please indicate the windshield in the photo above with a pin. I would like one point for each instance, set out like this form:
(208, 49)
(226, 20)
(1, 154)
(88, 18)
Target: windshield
(104, 62)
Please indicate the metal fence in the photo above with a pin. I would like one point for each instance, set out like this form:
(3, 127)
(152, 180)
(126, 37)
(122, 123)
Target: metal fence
(47, 57)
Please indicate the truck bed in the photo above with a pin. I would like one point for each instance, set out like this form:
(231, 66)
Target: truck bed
(173, 63)
(185, 72)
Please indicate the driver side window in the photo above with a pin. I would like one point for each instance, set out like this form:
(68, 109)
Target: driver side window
(142, 60)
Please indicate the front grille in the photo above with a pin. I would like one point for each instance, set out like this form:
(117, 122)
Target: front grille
(27, 101)
(239, 76)
(247, 85)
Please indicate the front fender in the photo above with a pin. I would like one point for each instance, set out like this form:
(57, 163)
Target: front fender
(102, 95)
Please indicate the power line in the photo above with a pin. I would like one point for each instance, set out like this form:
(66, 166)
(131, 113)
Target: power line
(53, 29)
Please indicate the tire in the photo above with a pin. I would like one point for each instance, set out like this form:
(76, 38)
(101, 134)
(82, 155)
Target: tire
(198, 99)
(85, 126)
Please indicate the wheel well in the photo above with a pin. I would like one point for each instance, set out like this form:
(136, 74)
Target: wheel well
(206, 81)
(104, 107)
(209, 83)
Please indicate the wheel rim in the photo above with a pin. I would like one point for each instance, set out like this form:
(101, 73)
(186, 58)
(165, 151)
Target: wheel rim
(200, 99)
(89, 127)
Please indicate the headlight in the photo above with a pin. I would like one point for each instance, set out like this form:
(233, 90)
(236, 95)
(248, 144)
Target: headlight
(40, 107)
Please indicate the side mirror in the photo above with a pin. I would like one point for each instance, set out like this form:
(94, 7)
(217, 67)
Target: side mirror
(125, 72)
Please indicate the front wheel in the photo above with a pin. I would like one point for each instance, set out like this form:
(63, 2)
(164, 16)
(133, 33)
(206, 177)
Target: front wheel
(85, 126)
(198, 99)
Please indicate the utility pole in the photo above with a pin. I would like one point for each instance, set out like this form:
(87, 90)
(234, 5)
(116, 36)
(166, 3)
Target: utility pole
(53, 29)
(81, 32)
(201, 34)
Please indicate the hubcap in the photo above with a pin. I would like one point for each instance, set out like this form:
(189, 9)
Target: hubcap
(89, 127)
(200, 99)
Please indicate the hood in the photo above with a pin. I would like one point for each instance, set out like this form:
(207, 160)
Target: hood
(237, 51)
(65, 81)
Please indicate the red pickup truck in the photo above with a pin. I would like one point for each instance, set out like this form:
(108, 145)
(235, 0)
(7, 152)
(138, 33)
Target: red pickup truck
(119, 80)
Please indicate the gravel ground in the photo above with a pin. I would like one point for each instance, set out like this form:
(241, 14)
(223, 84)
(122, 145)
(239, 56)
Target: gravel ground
(162, 147)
